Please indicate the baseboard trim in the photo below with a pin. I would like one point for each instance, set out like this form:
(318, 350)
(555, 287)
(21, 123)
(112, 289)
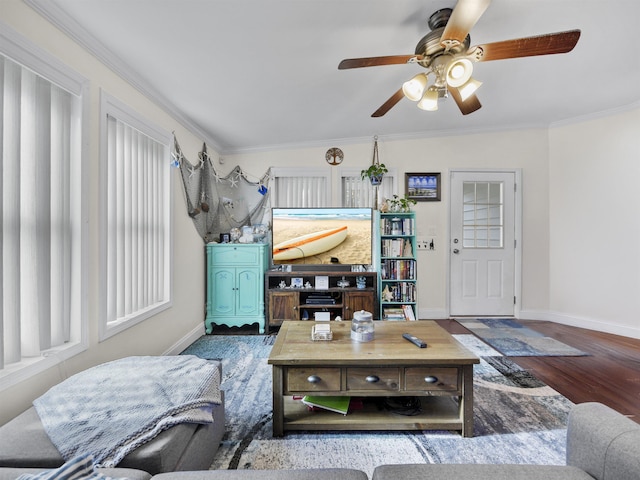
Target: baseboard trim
(580, 322)
(185, 341)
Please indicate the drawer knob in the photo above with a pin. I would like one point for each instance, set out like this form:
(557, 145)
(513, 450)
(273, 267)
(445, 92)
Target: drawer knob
(314, 379)
(431, 379)
(372, 379)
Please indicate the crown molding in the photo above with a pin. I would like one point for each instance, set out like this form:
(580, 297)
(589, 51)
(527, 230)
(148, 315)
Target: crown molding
(68, 25)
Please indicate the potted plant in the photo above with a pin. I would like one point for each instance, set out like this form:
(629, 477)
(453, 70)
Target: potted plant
(374, 173)
(398, 204)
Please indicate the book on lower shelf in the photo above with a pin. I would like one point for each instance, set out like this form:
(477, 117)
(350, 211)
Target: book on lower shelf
(393, 313)
(338, 404)
(408, 312)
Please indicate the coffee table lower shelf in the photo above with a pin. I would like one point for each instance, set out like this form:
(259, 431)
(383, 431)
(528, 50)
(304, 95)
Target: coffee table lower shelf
(438, 413)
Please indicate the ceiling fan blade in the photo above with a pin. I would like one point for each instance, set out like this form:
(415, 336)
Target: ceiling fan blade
(465, 15)
(548, 44)
(470, 105)
(389, 104)
(378, 61)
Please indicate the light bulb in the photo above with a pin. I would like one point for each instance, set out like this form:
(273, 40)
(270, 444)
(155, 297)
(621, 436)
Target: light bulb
(469, 88)
(414, 88)
(459, 72)
(429, 100)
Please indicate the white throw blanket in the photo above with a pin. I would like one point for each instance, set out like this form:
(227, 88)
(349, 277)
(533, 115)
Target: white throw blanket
(111, 409)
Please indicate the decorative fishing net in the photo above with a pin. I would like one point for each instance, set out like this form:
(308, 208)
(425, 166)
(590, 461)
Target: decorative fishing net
(219, 204)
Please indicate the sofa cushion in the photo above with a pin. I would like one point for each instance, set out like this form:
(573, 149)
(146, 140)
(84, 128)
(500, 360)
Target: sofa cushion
(591, 430)
(299, 474)
(477, 472)
(623, 457)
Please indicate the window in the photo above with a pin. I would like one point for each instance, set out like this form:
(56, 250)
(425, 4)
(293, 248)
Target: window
(136, 218)
(42, 238)
(483, 215)
(301, 187)
(357, 192)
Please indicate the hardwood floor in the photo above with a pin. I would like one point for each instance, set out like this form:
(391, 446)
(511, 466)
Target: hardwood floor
(609, 375)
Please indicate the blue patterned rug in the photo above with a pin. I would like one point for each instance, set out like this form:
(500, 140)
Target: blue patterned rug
(518, 419)
(511, 338)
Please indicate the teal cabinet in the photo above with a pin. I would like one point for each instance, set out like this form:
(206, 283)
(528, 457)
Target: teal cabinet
(235, 284)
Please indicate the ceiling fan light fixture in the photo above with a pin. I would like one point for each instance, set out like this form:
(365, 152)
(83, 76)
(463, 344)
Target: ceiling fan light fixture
(469, 88)
(429, 100)
(414, 88)
(459, 72)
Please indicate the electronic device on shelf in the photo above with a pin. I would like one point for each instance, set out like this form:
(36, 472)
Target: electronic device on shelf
(322, 239)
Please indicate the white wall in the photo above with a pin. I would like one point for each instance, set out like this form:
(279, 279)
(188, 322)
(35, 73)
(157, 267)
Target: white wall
(527, 150)
(175, 328)
(594, 223)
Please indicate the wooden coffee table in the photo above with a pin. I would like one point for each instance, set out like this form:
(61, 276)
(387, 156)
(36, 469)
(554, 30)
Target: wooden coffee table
(389, 366)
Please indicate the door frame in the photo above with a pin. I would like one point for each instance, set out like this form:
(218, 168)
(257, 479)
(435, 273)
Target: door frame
(517, 225)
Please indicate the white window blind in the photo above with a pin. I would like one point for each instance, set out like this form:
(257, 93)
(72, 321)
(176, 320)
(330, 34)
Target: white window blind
(40, 215)
(356, 192)
(136, 183)
(299, 187)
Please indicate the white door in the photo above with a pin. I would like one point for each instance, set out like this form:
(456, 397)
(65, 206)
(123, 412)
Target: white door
(482, 249)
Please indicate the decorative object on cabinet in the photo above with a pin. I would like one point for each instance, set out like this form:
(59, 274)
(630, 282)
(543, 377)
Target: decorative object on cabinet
(398, 204)
(340, 302)
(235, 285)
(423, 187)
(398, 269)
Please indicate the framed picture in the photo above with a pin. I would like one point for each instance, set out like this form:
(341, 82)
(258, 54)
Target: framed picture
(422, 187)
(225, 237)
(322, 282)
(296, 282)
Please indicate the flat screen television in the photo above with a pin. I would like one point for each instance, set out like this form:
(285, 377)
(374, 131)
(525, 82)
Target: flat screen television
(321, 238)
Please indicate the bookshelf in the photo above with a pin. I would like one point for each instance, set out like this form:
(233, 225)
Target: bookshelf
(397, 272)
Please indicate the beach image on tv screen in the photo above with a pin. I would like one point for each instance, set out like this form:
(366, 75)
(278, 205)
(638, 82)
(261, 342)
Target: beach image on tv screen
(316, 235)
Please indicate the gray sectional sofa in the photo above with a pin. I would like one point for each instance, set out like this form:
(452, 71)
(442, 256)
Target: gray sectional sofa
(24, 443)
(602, 444)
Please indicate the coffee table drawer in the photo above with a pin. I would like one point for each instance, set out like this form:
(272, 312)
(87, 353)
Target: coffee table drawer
(426, 378)
(312, 379)
(372, 379)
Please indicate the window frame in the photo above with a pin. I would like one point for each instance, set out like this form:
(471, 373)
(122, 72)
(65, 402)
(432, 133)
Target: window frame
(22, 51)
(111, 106)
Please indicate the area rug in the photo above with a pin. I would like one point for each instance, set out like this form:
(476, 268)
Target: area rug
(518, 419)
(511, 338)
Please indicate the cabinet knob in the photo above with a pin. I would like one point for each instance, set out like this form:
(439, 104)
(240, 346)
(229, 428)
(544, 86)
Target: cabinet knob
(372, 379)
(431, 379)
(314, 379)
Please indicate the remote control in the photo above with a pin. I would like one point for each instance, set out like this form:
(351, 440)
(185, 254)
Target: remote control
(415, 340)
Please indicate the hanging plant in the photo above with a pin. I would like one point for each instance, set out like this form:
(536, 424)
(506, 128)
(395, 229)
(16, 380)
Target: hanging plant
(374, 173)
(376, 170)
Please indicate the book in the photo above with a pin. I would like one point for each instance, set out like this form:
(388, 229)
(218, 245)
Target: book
(336, 404)
(408, 312)
(393, 314)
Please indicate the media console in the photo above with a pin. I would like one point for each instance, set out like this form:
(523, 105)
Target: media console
(299, 295)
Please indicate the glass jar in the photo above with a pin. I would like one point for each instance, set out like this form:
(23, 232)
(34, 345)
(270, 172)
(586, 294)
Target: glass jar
(362, 326)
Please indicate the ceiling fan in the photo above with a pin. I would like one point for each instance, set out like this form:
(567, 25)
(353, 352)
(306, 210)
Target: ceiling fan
(446, 55)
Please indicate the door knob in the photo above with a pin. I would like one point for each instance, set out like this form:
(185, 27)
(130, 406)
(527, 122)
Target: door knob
(456, 251)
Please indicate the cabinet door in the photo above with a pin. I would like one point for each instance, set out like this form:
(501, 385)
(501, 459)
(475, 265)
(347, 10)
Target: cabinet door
(223, 291)
(248, 291)
(283, 306)
(355, 301)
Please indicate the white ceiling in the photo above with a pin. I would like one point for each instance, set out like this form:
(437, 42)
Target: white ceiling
(254, 75)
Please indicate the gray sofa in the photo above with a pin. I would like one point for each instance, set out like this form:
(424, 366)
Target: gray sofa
(602, 444)
(24, 444)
